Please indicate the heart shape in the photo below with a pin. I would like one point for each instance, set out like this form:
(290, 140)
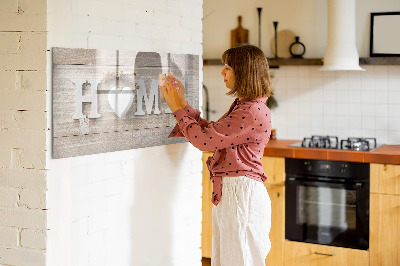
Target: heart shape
(120, 100)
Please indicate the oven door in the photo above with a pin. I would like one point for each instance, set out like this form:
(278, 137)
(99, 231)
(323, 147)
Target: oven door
(327, 213)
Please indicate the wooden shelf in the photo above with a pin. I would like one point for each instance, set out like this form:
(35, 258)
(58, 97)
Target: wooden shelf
(380, 61)
(274, 63)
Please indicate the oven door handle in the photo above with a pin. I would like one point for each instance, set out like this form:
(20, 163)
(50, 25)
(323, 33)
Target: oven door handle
(357, 185)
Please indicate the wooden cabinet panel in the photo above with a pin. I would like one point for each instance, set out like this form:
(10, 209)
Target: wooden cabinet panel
(305, 254)
(274, 168)
(385, 178)
(206, 226)
(277, 233)
(384, 230)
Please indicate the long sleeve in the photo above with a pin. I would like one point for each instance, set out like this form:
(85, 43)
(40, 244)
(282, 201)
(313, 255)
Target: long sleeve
(193, 113)
(231, 130)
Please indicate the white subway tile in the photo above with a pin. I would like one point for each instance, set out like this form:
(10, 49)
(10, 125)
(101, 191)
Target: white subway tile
(394, 83)
(355, 122)
(380, 84)
(329, 109)
(342, 122)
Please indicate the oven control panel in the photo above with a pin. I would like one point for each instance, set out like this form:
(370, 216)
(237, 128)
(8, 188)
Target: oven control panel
(338, 169)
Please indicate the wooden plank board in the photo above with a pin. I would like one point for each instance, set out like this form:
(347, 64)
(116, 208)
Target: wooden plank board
(109, 100)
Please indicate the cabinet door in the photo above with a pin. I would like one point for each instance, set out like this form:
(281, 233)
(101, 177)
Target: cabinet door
(206, 232)
(384, 229)
(385, 178)
(305, 254)
(274, 168)
(277, 233)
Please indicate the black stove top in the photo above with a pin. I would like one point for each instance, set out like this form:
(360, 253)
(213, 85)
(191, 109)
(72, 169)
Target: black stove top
(332, 142)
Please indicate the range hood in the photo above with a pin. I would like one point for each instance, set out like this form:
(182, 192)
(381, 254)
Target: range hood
(341, 51)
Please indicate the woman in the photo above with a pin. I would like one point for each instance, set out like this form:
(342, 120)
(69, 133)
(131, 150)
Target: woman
(241, 214)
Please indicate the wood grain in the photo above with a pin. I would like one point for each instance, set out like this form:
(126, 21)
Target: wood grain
(142, 126)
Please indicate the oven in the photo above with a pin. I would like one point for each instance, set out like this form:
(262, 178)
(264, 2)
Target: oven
(327, 202)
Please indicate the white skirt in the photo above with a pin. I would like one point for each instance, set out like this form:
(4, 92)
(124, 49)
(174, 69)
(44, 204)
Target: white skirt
(241, 223)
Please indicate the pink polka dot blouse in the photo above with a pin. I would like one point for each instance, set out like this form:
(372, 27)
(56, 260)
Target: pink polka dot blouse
(238, 139)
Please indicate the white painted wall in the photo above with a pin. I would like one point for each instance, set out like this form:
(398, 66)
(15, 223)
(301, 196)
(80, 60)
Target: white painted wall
(305, 18)
(311, 102)
(133, 207)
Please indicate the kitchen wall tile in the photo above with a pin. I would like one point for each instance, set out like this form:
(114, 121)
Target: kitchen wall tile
(342, 96)
(328, 74)
(394, 83)
(394, 137)
(292, 83)
(381, 110)
(355, 132)
(355, 96)
(291, 71)
(367, 96)
(367, 99)
(367, 133)
(304, 82)
(394, 110)
(354, 122)
(381, 84)
(382, 123)
(329, 109)
(394, 97)
(355, 109)
(394, 71)
(342, 122)
(315, 72)
(381, 136)
(368, 122)
(381, 97)
(394, 123)
(367, 82)
(368, 110)
(342, 109)
(329, 122)
(342, 80)
(304, 72)
(380, 71)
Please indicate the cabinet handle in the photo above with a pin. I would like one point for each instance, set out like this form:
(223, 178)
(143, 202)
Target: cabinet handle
(325, 254)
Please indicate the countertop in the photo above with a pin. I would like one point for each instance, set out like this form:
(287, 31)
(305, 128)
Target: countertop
(389, 154)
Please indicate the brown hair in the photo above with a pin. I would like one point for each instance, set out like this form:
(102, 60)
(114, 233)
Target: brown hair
(250, 66)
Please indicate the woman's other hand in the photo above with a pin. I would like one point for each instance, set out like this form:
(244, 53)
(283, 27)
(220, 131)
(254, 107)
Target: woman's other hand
(172, 95)
(181, 90)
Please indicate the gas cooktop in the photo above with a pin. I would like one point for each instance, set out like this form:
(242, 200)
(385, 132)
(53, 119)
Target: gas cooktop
(332, 142)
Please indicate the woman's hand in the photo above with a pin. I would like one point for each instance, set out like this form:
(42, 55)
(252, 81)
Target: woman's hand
(172, 94)
(181, 91)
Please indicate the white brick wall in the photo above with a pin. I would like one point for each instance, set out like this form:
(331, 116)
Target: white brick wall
(133, 207)
(23, 128)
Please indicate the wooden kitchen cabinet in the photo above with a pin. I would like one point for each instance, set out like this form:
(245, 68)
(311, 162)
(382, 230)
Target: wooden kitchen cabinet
(385, 178)
(206, 225)
(305, 254)
(274, 168)
(384, 236)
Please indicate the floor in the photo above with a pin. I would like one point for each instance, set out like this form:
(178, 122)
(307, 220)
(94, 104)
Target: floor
(206, 261)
